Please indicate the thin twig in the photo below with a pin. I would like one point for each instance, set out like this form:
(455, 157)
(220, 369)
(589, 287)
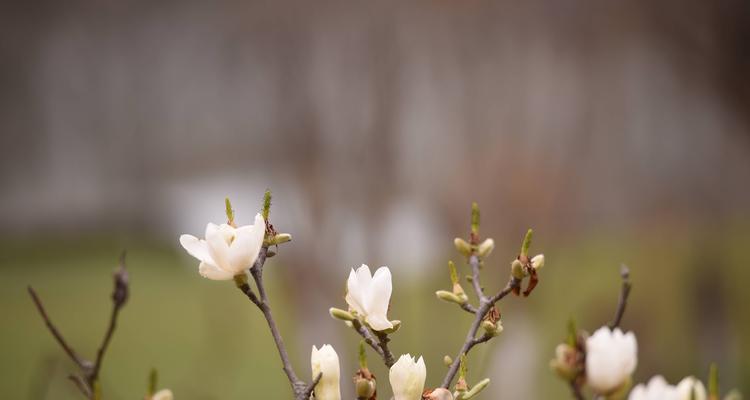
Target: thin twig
(383, 340)
(469, 308)
(471, 339)
(81, 363)
(298, 386)
(474, 262)
(311, 387)
(368, 337)
(624, 293)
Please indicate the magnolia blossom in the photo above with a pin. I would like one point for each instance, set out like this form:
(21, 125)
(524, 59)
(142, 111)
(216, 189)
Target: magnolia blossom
(164, 394)
(658, 389)
(370, 295)
(611, 357)
(691, 388)
(440, 394)
(407, 378)
(227, 251)
(326, 361)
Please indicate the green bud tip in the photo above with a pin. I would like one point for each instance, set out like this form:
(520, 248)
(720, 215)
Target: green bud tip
(153, 380)
(362, 355)
(572, 339)
(229, 210)
(526, 243)
(713, 381)
(266, 204)
(474, 218)
(454, 273)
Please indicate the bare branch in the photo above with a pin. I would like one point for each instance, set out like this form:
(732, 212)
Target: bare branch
(624, 293)
(471, 339)
(369, 338)
(474, 262)
(575, 388)
(311, 387)
(298, 386)
(469, 308)
(383, 340)
(80, 362)
(119, 297)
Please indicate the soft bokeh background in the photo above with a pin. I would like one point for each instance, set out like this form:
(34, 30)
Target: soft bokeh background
(618, 130)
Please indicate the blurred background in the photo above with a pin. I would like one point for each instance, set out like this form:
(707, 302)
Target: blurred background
(619, 131)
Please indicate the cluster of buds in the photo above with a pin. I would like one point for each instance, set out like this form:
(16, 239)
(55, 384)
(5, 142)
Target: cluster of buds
(491, 324)
(524, 266)
(473, 246)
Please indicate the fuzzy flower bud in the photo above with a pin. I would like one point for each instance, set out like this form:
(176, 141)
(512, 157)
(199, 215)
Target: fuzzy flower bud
(407, 378)
(326, 361)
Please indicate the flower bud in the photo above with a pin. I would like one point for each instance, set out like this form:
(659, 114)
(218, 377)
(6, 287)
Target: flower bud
(438, 394)
(492, 328)
(407, 378)
(461, 385)
(278, 239)
(486, 247)
(326, 362)
(340, 314)
(462, 246)
(538, 261)
(447, 360)
(565, 363)
(364, 384)
(164, 394)
(516, 269)
(450, 297)
(476, 389)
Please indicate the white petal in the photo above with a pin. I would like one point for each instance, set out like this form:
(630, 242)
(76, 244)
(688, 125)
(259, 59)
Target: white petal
(378, 298)
(195, 247)
(213, 272)
(246, 245)
(218, 247)
(354, 293)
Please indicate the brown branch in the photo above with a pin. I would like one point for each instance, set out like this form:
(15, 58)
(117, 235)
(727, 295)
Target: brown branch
(369, 338)
(469, 308)
(484, 308)
(80, 362)
(383, 340)
(90, 371)
(474, 262)
(624, 293)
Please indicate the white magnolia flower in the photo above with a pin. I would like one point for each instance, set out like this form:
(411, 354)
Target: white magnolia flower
(370, 295)
(611, 357)
(407, 378)
(164, 394)
(227, 251)
(326, 361)
(691, 388)
(657, 389)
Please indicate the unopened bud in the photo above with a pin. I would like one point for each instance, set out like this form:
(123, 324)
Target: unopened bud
(538, 261)
(365, 387)
(447, 360)
(338, 313)
(461, 385)
(450, 297)
(565, 363)
(486, 247)
(492, 328)
(121, 291)
(438, 394)
(462, 246)
(516, 269)
(476, 389)
(280, 238)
